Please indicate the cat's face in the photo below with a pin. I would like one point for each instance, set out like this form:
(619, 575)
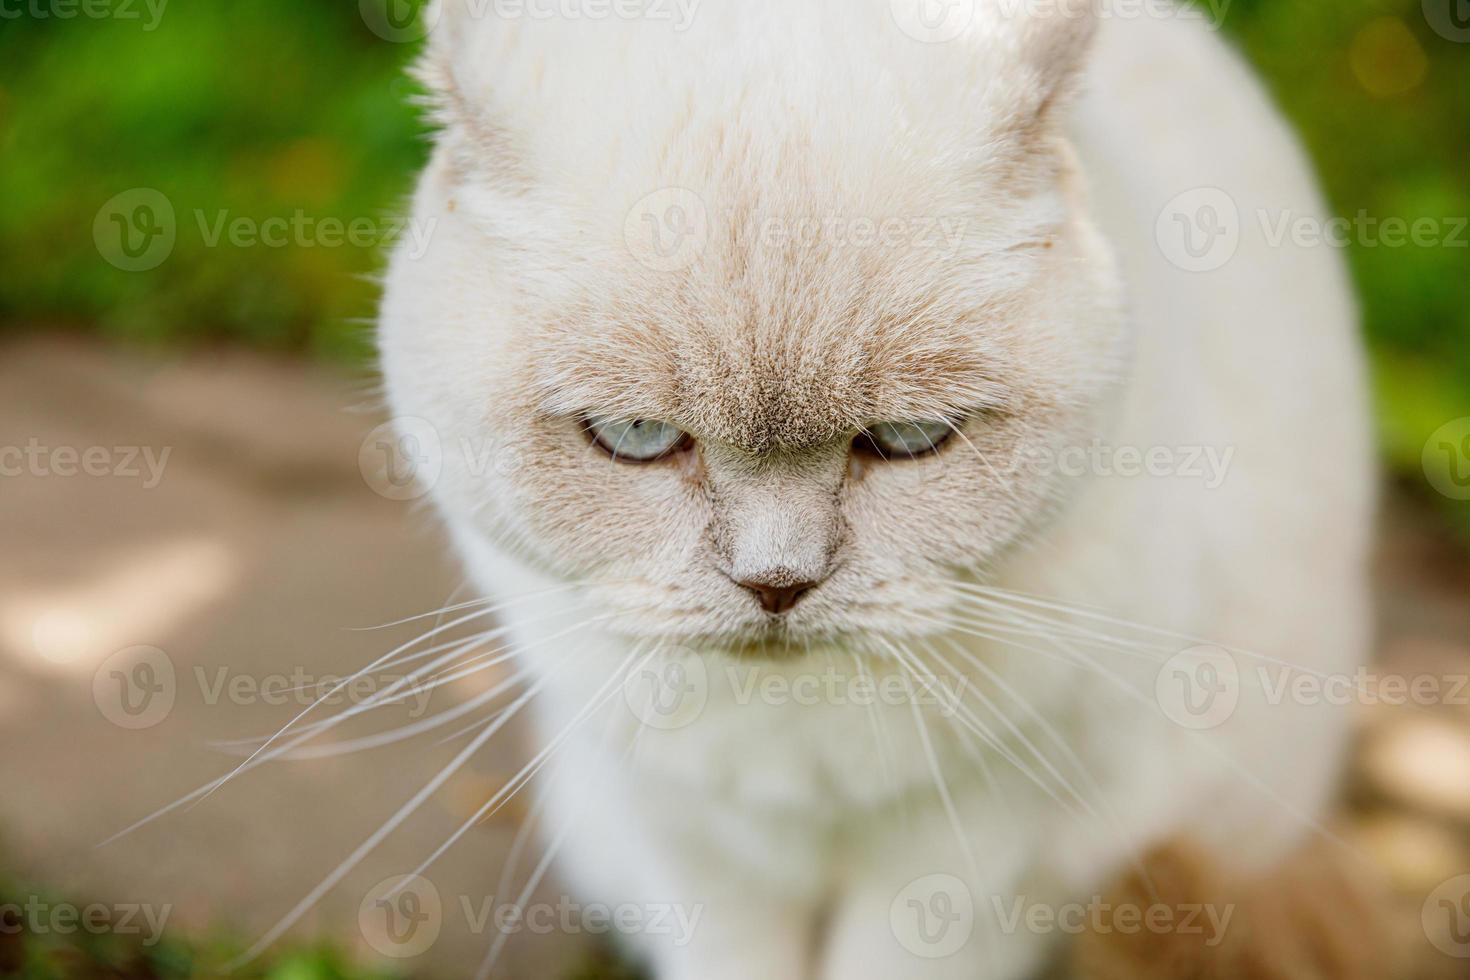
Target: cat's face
(757, 385)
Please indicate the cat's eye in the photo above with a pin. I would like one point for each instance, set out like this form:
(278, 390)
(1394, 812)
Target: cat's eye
(636, 440)
(903, 440)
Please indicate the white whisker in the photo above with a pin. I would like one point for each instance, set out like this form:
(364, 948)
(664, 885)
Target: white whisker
(342, 684)
(367, 846)
(501, 797)
(939, 781)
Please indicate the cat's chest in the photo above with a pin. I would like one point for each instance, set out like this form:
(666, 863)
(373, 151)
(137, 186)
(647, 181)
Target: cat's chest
(807, 737)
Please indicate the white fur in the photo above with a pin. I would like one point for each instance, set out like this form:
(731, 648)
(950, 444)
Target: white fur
(777, 818)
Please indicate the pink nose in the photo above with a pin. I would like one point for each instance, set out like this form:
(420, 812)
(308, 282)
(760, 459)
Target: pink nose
(777, 599)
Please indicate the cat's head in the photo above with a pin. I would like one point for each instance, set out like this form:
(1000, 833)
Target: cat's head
(754, 323)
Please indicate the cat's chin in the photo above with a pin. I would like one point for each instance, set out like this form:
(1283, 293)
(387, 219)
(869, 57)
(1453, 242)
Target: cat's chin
(776, 647)
(776, 643)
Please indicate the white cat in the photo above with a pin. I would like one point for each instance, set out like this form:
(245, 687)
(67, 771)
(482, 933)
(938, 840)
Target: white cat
(827, 344)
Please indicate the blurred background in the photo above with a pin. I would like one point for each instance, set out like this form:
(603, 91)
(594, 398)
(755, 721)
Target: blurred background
(197, 196)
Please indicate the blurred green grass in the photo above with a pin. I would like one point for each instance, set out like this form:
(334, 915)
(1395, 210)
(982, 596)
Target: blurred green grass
(259, 109)
(278, 106)
(32, 950)
(36, 943)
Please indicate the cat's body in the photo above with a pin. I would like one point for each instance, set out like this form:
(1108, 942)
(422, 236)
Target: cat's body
(795, 824)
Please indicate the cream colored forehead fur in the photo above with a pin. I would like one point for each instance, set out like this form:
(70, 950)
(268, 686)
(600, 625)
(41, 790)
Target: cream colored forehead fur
(759, 343)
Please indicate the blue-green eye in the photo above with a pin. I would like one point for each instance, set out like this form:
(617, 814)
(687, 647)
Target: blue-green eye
(903, 440)
(636, 440)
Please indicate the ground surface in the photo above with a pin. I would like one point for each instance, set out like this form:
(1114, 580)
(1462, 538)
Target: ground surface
(262, 542)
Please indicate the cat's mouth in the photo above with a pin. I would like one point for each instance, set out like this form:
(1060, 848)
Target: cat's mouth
(835, 614)
(713, 614)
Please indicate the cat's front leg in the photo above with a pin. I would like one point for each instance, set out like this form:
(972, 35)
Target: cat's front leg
(693, 928)
(733, 926)
(934, 927)
(727, 895)
(922, 907)
(739, 940)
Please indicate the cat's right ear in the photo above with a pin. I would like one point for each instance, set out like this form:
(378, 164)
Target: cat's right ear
(459, 95)
(1043, 47)
(1028, 60)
